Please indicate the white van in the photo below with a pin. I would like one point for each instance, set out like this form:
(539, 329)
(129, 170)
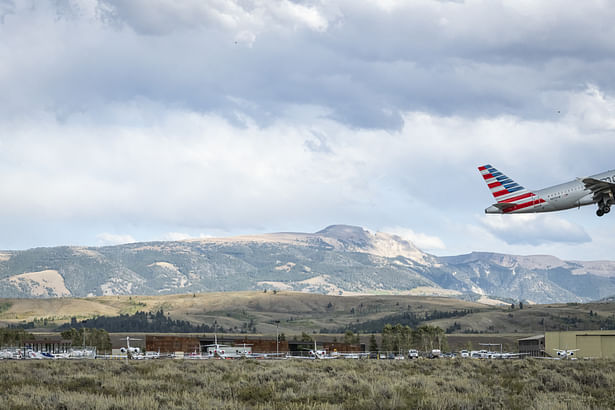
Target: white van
(413, 354)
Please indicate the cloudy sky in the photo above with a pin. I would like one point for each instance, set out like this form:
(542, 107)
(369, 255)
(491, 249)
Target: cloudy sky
(135, 120)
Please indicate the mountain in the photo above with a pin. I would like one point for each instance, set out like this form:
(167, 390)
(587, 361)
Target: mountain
(340, 260)
(537, 279)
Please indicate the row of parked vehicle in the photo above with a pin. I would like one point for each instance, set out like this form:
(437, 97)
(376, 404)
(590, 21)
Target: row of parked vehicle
(412, 354)
(436, 353)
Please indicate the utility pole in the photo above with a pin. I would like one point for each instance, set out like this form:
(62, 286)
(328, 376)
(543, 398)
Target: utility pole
(277, 337)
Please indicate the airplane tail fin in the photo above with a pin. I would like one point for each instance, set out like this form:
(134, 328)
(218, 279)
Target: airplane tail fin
(503, 189)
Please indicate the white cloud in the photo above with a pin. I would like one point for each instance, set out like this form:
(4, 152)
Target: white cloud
(153, 165)
(592, 111)
(147, 114)
(176, 236)
(421, 240)
(106, 238)
(534, 229)
(161, 17)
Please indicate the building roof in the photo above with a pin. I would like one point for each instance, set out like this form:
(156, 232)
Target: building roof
(537, 337)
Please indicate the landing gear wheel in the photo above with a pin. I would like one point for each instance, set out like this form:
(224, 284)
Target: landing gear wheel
(599, 212)
(606, 209)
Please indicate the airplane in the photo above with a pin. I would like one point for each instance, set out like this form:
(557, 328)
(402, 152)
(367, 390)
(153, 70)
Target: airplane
(319, 353)
(32, 354)
(512, 198)
(313, 354)
(11, 353)
(82, 353)
(129, 349)
(221, 351)
(566, 353)
(352, 355)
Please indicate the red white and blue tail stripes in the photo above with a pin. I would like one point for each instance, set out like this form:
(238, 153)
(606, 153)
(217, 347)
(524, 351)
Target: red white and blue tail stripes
(506, 191)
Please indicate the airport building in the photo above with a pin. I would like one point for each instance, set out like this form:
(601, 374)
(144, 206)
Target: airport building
(533, 346)
(174, 343)
(595, 344)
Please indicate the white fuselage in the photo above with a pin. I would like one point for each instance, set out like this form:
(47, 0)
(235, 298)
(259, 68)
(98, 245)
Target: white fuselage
(568, 195)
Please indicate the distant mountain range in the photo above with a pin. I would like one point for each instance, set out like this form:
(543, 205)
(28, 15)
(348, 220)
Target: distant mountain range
(338, 260)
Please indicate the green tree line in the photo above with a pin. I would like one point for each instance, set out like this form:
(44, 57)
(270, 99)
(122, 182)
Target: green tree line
(14, 337)
(156, 322)
(411, 319)
(98, 338)
(400, 338)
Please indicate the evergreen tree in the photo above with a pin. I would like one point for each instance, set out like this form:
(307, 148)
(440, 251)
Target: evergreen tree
(140, 322)
(350, 337)
(13, 337)
(387, 343)
(305, 337)
(373, 344)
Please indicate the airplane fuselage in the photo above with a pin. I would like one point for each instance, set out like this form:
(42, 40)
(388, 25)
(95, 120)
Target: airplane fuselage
(568, 195)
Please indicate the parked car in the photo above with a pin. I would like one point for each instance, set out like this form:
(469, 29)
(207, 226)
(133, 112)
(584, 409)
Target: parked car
(435, 353)
(413, 354)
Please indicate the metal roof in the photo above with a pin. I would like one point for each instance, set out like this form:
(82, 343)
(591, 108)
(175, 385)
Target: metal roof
(537, 337)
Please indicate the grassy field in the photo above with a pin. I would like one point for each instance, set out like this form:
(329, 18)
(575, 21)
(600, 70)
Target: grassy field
(299, 312)
(329, 384)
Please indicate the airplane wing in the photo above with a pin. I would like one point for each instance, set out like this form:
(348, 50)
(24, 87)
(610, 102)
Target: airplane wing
(599, 188)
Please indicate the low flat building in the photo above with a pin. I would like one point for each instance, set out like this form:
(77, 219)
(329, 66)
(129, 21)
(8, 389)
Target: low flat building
(171, 343)
(533, 346)
(597, 344)
(189, 344)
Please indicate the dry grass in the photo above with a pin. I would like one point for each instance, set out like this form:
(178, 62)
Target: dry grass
(233, 308)
(310, 312)
(332, 384)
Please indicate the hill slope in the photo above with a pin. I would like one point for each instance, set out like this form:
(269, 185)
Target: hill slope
(299, 312)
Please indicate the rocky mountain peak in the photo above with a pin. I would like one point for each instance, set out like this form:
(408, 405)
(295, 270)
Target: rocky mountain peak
(357, 239)
(347, 233)
(509, 261)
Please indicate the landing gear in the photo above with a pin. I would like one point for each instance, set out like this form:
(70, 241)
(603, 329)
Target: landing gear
(604, 208)
(605, 203)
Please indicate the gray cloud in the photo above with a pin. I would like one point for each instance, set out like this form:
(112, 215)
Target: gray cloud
(365, 63)
(6, 7)
(142, 118)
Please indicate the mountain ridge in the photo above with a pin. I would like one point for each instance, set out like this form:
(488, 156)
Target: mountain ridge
(337, 260)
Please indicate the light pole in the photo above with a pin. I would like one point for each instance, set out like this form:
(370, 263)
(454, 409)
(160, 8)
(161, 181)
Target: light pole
(277, 337)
